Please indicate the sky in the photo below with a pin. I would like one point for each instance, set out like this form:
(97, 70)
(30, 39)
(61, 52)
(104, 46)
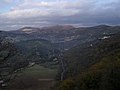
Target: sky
(15, 14)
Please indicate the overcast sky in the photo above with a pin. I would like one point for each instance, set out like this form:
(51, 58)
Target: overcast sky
(15, 14)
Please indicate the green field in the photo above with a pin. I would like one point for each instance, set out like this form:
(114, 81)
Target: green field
(39, 72)
(34, 78)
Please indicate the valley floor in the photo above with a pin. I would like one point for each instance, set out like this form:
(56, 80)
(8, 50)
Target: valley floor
(34, 78)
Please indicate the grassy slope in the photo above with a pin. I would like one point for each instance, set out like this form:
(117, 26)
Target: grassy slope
(35, 78)
(39, 72)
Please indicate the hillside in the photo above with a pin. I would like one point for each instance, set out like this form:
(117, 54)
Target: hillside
(10, 60)
(74, 52)
(66, 36)
(38, 50)
(93, 66)
(15, 56)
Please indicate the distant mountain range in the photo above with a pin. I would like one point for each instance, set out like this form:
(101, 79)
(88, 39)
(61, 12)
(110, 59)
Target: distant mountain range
(67, 35)
(57, 37)
(48, 39)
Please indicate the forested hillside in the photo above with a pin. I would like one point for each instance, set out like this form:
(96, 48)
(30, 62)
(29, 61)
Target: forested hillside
(10, 60)
(93, 66)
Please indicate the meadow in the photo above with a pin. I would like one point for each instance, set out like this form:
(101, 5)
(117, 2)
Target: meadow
(34, 78)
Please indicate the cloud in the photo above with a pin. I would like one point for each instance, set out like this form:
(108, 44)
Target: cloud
(32, 9)
(8, 1)
(51, 12)
(26, 13)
